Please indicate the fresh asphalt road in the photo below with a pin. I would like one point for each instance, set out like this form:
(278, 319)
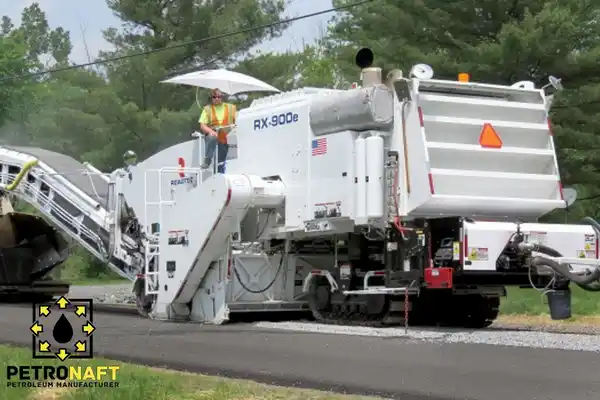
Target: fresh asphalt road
(390, 367)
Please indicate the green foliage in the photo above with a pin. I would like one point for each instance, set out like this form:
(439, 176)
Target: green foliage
(534, 302)
(12, 62)
(155, 24)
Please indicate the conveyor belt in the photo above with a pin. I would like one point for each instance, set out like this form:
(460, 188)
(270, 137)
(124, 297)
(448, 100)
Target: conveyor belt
(71, 169)
(71, 196)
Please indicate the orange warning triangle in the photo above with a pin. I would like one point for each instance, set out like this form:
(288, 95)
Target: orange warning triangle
(489, 138)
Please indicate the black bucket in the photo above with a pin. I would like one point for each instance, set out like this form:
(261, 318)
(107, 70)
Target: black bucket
(559, 303)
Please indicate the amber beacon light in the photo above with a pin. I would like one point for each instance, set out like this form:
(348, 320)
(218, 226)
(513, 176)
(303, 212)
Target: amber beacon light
(463, 77)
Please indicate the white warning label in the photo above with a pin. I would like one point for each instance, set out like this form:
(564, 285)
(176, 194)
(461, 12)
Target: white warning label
(586, 254)
(537, 237)
(456, 251)
(478, 253)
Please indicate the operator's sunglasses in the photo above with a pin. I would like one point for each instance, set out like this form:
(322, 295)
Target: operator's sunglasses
(217, 96)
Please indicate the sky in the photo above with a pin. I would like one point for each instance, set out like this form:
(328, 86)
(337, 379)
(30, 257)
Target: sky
(85, 20)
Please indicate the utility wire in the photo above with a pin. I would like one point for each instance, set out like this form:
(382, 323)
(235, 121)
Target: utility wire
(197, 41)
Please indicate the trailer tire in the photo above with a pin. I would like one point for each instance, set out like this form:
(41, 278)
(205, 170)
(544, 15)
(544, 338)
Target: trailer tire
(143, 303)
(479, 311)
(319, 298)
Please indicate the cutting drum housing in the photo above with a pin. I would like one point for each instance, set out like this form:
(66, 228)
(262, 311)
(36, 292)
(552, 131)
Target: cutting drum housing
(410, 197)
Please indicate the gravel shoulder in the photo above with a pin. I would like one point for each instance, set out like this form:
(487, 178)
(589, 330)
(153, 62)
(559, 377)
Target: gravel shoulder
(108, 294)
(586, 324)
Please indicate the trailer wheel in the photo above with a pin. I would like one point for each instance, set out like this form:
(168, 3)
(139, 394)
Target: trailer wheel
(144, 303)
(319, 298)
(480, 312)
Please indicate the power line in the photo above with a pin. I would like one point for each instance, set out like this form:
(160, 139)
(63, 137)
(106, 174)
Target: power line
(191, 42)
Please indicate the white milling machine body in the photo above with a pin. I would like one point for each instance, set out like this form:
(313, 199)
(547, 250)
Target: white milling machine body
(415, 198)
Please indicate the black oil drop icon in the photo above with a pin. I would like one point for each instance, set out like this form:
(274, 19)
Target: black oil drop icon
(63, 331)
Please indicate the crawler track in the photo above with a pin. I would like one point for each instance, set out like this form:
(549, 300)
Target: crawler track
(371, 311)
(377, 311)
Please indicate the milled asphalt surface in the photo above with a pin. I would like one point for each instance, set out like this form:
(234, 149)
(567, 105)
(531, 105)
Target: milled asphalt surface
(390, 367)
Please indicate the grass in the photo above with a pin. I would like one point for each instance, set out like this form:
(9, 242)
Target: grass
(530, 306)
(140, 382)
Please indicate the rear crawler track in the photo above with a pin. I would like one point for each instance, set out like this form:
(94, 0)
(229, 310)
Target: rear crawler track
(429, 307)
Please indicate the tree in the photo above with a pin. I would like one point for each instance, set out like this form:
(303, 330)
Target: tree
(28, 48)
(155, 24)
(46, 47)
(310, 67)
(12, 62)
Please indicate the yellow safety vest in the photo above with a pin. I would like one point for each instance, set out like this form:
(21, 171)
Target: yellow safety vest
(228, 119)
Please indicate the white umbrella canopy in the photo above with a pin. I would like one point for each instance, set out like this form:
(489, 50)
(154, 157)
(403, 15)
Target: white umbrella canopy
(229, 82)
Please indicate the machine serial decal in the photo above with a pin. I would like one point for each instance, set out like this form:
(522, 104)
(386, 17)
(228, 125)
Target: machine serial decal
(179, 237)
(275, 120)
(327, 210)
(317, 226)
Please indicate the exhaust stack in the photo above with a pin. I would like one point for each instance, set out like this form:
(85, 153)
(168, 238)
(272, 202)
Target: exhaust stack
(370, 76)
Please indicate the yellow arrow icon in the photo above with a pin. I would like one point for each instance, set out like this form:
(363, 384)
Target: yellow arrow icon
(80, 311)
(44, 311)
(62, 354)
(44, 346)
(80, 346)
(88, 328)
(36, 328)
(62, 302)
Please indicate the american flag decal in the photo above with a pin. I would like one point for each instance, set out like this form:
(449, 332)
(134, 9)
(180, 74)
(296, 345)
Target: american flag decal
(319, 147)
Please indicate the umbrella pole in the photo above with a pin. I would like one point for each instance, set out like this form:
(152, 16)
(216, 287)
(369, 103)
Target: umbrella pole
(198, 100)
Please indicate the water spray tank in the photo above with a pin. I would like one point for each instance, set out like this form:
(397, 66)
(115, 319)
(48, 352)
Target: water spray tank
(369, 76)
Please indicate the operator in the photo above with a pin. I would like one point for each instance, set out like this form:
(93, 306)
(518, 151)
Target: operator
(215, 123)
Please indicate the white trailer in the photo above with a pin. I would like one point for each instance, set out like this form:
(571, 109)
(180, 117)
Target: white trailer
(409, 197)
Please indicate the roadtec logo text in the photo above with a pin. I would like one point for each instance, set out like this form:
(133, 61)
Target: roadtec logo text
(38, 376)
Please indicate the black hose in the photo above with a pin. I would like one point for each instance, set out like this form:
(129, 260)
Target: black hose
(595, 225)
(246, 288)
(589, 283)
(564, 271)
(540, 248)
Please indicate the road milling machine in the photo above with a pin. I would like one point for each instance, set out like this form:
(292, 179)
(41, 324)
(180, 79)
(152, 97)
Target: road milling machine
(407, 197)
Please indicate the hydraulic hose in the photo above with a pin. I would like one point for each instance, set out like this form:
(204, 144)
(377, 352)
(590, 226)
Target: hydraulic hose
(246, 288)
(564, 271)
(589, 282)
(28, 165)
(595, 225)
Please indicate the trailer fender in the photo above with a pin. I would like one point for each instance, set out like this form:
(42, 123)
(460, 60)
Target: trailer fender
(319, 272)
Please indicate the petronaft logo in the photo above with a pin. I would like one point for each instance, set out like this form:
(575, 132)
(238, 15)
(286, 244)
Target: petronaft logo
(63, 329)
